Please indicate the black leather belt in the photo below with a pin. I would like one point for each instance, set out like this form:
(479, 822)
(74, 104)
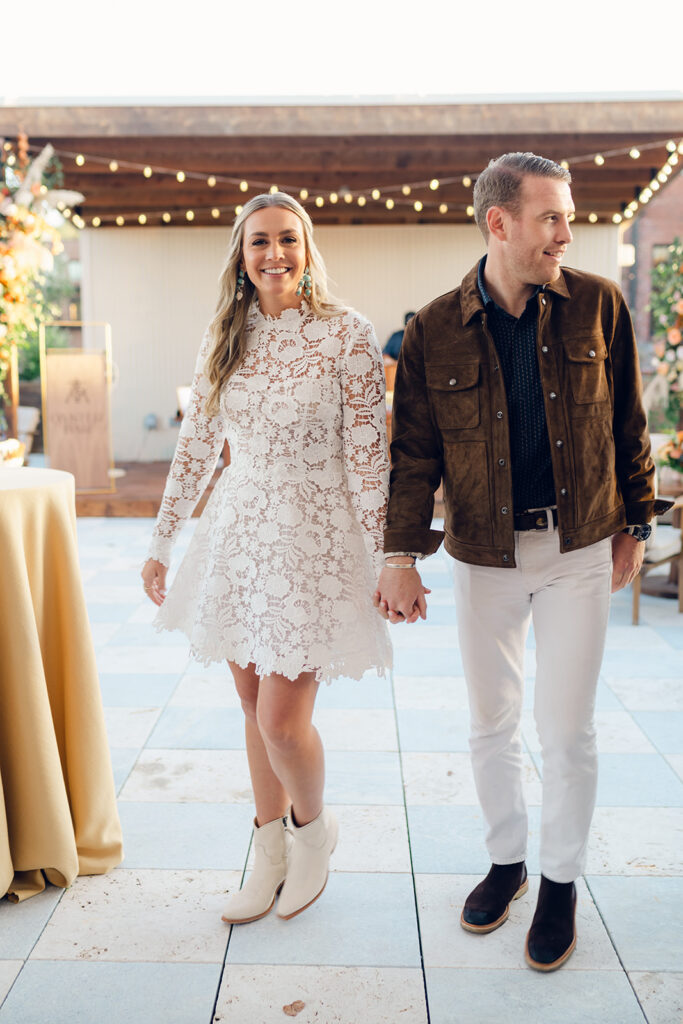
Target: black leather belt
(535, 520)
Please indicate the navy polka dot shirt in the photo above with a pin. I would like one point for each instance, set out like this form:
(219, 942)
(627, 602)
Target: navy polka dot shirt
(533, 485)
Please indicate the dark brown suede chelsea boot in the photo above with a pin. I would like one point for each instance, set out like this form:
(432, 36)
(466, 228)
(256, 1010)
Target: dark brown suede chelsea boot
(487, 907)
(552, 936)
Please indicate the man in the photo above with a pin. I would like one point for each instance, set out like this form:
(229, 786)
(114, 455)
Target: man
(393, 345)
(521, 390)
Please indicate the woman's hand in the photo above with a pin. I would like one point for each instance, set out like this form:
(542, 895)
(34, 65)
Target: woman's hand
(400, 595)
(154, 580)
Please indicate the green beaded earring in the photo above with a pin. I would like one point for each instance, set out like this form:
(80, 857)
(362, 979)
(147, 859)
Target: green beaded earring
(305, 284)
(239, 294)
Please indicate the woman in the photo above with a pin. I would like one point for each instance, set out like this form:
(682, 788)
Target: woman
(279, 574)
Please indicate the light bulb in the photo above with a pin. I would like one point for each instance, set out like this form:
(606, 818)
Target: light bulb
(166, 217)
(80, 160)
(634, 153)
(417, 206)
(470, 211)
(334, 198)
(244, 185)
(303, 194)
(571, 217)
(215, 213)
(113, 166)
(389, 204)
(617, 218)
(147, 172)
(434, 184)
(96, 222)
(564, 164)
(467, 181)
(654, 185)
(599, 159)
(406, 190)
(375, 193)
(361, 200)
(120, 221)
(671, 146)
(211, 181)
(238, 209)
(348, 197)
(592, 217)
(189, 215)
(628, 213)
(273, 189)
(180, 176)
(673, 160)
(661, 177)
(443, 208)
(142, 219)
(319, 201)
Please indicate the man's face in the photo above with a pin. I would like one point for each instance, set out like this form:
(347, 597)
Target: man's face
(538, 236)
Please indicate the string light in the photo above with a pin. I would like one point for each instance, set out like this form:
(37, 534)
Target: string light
(617, 218)
(147, 172)
(654, 185)
(467, 181)
(389, 204)
(592, 217)
(215, 213)
(244, 185)
(470, 211)
(434, 184)
(628, 213)
(142, 219)
(189, 215)
(273, 189)
(406, 190)
(211, 181)
(671, 146)
(361, 200)
(673, 159)
(166, 217)
(599, 159)
(443, 208)
(96, 222)
(180, 176)
(564, 164)
(348, 197)
(634, 153)
(113, 166)
(571, 217)
(417, 206)
(334, 198)
(120, 221)
(376, 194)
(80, 160)
(238, 210)
(319, 201)
(661, 177)
(66, 212)
(303, 194)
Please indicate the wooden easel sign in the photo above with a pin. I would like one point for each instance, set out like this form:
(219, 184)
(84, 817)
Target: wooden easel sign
(76, 384)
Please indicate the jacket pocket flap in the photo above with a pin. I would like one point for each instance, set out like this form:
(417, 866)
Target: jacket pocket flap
(452, 378)
(586, 350)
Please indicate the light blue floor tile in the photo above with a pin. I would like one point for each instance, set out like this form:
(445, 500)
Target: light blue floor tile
(441, 615)
(129, 691)
(436, 662)
(606, 699)
(114, 578)
(634, 780)
(362, 778)
(337, 930)
(122, 761)
(51, 992)
(672, 634)
(433, 730)
(144, 634)
(664, 728)
(633, 664)
(186, 835)
(369, 692)
(450, 840)
(22, 923)
(528, 997)
(199, 729)
(110, 612)
(643, 917)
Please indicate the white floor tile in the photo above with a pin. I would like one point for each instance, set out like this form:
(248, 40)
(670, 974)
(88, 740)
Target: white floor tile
(203, 689)
(142, 659)
(660, 995)
(213, 776)
(129, 727)
(348, 729)
(647, 694)
(9, 969)
(447, 779)
(431, 693)
(145, 916)
(636, 841)
(331, 995)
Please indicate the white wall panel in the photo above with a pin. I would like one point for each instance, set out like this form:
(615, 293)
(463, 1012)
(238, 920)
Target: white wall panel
(157, 287)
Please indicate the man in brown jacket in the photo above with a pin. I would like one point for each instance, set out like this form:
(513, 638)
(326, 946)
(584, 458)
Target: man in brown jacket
(520, 390)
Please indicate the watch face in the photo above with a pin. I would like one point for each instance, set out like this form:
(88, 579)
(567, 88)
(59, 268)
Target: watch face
(642, 532)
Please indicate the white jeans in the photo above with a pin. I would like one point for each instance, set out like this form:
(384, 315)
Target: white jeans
(567, 595)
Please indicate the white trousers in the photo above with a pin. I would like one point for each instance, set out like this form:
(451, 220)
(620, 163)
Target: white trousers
(567, 596)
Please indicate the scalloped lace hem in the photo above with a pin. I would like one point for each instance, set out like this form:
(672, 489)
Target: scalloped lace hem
(349, 666)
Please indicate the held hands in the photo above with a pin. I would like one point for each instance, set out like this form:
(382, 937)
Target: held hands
(154, 580)
(400, 595)
(627, 558)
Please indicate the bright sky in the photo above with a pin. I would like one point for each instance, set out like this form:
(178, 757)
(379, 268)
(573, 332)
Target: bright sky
(119, 49)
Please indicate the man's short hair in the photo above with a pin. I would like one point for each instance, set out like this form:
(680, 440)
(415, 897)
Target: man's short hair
(500, 184)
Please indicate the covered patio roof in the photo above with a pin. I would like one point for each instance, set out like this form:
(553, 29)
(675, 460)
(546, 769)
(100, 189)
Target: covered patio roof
(353, 164)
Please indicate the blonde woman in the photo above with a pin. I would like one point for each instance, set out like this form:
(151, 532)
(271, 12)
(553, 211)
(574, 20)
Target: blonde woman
(278, 577)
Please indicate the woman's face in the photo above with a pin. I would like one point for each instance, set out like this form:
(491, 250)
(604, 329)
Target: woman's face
(274, 257)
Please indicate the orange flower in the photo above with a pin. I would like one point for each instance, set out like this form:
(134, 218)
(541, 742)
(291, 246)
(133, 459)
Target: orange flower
(659, 349)
(674, 336)
(678, 308)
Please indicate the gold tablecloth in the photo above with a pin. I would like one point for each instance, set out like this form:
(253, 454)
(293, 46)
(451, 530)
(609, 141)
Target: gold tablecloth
(58, 815)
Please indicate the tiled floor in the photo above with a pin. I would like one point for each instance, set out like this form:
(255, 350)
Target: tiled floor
(145, 944)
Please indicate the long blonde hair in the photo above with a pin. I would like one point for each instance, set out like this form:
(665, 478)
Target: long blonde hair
(228, 327)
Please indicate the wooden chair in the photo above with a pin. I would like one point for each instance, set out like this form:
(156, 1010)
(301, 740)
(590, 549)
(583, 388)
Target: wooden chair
(666, 548)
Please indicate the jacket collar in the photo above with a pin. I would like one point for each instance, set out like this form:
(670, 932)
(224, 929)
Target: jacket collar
(471, 302)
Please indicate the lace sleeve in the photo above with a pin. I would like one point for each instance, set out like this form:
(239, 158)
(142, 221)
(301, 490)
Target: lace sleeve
(364, 428)
(199, 446)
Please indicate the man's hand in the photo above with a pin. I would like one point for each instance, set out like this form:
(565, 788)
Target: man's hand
(627, 558)
(400, 595)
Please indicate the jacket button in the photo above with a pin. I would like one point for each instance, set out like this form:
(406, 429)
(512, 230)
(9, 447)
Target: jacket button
(544, 348)
(553, 395)
(563, 492)
(592, 353)
(542, 300)
(505, 510)
(506, 558)
(495, 367)
(452, 381)
(558, 444)
(499, 415)
(501, 462)
(567, 541)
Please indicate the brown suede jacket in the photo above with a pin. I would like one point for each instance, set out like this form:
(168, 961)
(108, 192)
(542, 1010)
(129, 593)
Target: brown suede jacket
(450, 422)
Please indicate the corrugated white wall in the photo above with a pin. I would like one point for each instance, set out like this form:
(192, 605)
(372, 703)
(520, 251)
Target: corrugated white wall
(157, 287)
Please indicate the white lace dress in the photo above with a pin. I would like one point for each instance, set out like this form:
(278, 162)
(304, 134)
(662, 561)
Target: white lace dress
(284, 560)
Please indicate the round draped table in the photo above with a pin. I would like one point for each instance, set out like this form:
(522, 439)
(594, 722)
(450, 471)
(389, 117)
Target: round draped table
(58, 816)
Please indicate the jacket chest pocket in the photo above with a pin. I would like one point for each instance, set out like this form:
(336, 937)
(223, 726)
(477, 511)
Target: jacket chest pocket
(586, 363)
(454, 394)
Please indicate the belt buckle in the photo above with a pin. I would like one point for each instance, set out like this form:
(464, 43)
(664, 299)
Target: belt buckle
(541, 519)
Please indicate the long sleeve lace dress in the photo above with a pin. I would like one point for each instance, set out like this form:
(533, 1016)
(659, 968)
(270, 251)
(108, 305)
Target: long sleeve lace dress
(284, 560)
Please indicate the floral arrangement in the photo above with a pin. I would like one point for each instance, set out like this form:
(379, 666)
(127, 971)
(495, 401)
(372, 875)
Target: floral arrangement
(666, 305)
(28, 241)
(671, 453)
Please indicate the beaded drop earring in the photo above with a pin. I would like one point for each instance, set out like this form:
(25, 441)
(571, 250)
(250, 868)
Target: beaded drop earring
(239, 294)
(305, 284)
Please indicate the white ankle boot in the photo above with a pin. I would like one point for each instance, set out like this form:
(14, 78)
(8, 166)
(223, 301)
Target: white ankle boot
(257, 896)
(308, 866)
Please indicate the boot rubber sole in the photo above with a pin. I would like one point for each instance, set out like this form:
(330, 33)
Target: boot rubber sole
(483, 929)
(537, 966)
